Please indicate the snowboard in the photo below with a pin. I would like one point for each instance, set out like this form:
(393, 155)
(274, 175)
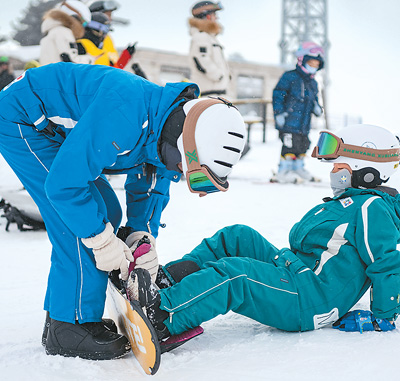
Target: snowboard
(134, 324)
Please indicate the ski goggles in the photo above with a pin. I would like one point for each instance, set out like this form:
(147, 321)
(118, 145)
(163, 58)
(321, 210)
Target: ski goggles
(103, 28)
(207, 8)
(110, 6)
(199, 177)
(331, 147)
(315, 52)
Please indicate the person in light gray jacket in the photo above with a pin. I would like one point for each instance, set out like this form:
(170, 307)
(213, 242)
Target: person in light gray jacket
(209, 68)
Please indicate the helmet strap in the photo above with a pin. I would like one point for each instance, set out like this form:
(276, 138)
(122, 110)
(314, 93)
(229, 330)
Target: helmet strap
(188, 133)
(366, 178)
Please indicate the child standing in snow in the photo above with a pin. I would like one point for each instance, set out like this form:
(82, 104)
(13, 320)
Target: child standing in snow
(338, 250)
(294, 99)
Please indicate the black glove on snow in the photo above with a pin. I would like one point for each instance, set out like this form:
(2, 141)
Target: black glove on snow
(131, 49)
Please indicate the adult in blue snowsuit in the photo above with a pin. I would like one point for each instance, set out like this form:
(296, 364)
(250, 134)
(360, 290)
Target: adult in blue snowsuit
(294, 100)
(62, 128)
(337, 251)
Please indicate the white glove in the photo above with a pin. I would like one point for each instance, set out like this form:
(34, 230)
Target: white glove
(145, 254)
(317, 109)
(109, 251)
(280, 119)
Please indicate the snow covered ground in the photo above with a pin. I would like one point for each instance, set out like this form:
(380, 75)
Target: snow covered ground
(233, 347)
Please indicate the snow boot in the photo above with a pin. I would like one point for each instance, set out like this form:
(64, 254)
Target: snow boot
(298, 166)
(286, 173)
(108, 323)
(140, 287)
(162, 281)
(90, 341)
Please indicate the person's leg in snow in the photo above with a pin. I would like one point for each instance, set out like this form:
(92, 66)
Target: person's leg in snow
(236, 272)
(76, 288)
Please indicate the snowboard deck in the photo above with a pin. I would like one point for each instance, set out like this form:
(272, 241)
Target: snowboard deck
(132, 322)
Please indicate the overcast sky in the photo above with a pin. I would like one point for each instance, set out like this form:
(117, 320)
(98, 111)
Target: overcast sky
(364, 35)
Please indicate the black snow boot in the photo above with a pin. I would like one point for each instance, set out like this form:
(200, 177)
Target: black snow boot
(140, 287)
(162, 281)
(108, 323)
(176, 271)
(91, 341)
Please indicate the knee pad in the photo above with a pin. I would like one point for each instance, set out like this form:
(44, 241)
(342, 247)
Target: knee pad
(179, 270)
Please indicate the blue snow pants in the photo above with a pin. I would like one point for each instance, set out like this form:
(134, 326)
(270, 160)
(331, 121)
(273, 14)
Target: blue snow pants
(76, 289)
(239, 271)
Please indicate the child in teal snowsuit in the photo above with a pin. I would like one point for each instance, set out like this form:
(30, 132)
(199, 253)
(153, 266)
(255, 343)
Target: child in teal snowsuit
(337, 251)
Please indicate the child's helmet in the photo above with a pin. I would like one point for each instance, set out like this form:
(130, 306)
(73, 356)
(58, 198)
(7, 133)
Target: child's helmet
(310, 50)
(104, 6)
(366, 173)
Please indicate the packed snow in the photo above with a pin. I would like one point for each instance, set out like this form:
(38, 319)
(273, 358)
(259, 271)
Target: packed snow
(232, 347)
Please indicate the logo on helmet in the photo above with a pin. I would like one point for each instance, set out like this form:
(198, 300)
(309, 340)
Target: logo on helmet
(192, 156)
(369, 145)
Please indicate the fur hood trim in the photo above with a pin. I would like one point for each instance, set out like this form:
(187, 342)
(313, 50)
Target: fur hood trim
(66, 20)
(204, 25)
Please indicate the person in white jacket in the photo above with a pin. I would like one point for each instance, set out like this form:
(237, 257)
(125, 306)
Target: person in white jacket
(209, 68)
(61, 27)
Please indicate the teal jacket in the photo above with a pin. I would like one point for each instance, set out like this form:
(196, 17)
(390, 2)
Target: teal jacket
(352, 242)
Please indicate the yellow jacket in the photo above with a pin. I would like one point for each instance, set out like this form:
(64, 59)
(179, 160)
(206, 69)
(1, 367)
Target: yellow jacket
(100, 55)
(108, 46)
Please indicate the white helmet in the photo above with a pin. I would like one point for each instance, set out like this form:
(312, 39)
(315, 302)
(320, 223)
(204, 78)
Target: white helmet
(375, 138)
(77, 8)
(219, 135)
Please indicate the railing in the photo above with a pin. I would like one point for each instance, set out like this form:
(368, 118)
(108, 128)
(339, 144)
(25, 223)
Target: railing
(250, 120)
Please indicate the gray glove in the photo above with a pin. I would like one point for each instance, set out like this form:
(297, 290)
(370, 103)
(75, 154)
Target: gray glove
(280, 119)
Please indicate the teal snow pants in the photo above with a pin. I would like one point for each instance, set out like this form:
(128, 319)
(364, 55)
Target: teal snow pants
(239, 271)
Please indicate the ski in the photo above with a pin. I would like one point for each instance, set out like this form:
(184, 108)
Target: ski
(302, 184)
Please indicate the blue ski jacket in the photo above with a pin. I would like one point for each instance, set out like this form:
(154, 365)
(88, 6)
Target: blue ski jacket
(295, 93)
(103, 120)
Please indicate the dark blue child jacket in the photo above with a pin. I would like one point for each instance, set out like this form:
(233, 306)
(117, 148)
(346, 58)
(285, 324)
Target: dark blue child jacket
(295, 94)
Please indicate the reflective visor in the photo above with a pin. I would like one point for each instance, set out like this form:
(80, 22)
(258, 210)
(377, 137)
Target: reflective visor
(327, 144)
(99, 26)
(205, 181)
